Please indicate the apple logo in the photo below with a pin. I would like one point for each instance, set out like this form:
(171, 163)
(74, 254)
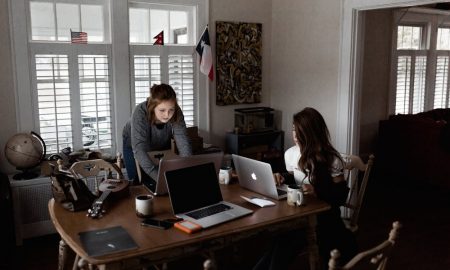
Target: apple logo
(254, 176)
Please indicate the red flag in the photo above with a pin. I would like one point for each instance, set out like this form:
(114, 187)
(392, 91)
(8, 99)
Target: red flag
(159, 39)
(204, 51)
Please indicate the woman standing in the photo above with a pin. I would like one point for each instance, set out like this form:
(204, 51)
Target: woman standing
(153, 124)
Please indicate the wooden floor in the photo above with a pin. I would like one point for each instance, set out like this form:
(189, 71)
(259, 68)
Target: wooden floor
(424, 241)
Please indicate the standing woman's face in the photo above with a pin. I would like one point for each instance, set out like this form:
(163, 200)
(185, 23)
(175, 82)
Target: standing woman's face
(164, 111)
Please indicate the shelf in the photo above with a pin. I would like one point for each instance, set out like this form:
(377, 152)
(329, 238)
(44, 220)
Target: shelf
(266, 146)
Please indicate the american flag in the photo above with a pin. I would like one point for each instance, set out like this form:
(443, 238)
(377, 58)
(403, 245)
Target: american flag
(78, 37)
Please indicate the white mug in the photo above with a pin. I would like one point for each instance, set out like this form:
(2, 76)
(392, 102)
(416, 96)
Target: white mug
(294, 195)
(144, 205)
(225, 175)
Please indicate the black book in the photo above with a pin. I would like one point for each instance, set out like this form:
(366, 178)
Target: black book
(106, 241)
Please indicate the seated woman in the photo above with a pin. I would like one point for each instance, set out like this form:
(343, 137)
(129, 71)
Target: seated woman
(152, 126)
(320, 172)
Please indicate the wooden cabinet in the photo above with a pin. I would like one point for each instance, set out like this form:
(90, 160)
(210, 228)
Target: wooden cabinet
(266, 146)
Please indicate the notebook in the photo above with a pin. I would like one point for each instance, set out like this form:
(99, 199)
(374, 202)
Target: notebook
(257, 176)
(106, 241)
(195, 196)
(181, 162)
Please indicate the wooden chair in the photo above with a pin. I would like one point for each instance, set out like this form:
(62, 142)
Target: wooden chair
(353, 166)
(374, 258)
(208, 264)
(94, 171)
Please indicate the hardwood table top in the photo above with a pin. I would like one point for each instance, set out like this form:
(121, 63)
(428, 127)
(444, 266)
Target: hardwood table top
(155, 243)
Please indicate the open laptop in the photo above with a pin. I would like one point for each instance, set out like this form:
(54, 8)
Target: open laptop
(257, 176)
(195, 196)
(181, 162)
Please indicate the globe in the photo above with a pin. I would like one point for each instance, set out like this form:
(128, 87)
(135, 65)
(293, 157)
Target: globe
(25, 151)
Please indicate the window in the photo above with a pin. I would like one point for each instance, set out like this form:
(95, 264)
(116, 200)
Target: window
(81, 95)
(172, 63)
(147, 72)
(421, 54)
(52, 21)
(72, 88)
(411, 69)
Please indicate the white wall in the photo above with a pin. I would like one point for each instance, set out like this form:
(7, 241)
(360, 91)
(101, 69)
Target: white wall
(8, 125)
(375, 77)
(254, 11)
(305, 59)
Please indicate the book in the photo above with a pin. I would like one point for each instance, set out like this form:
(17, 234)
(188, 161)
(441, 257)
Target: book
(106, 241)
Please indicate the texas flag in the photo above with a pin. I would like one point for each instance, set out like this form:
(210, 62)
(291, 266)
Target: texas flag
(204, 51)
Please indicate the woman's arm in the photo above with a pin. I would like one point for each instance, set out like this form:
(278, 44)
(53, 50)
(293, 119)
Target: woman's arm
(181, 138)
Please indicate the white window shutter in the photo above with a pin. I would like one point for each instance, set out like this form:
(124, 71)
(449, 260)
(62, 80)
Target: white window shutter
(420, 71)
(53, 94)
(441, 83)
(403, 84)
(147, 72)
(95, 101)
(181, 78)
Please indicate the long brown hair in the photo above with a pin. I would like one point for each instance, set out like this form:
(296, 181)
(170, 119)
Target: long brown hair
(314, 141)
(158, 94)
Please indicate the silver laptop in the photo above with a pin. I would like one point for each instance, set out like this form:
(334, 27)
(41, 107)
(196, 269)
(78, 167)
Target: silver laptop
(257, 176)
(181, 162)
(195, 196)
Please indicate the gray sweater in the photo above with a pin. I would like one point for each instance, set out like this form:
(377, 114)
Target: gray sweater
(143, 138)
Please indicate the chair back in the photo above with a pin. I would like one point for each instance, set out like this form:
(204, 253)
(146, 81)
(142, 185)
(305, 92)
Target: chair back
(94, 171)
(374, 258)
(353, 166)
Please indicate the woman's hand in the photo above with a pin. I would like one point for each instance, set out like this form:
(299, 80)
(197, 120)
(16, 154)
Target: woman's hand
(278, 178)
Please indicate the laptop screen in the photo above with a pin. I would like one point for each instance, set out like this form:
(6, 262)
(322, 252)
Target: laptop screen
(177, 163)
(193, 187)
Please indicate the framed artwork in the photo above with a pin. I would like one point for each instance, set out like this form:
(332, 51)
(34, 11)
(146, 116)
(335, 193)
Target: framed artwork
(238, 63)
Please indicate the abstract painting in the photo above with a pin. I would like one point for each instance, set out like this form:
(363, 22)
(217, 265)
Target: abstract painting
(239, 63)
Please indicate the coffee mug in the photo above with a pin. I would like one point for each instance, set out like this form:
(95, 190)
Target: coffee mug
(225, 175)
(294, 195)
(144, 205)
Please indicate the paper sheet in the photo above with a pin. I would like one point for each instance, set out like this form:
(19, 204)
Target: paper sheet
(259, 201)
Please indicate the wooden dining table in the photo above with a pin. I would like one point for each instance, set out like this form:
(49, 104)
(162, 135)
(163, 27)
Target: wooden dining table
(155, 246)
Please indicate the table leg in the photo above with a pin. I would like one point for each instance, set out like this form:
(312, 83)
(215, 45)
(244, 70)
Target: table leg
(62, 255)
(311, 237)
(65, 256)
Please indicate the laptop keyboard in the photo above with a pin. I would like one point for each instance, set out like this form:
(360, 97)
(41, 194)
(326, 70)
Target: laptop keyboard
(208, 211)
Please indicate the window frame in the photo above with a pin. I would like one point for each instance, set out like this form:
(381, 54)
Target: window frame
(184, 7)
(120, 82)
(428, 22)
(164, 52)
(72, 53)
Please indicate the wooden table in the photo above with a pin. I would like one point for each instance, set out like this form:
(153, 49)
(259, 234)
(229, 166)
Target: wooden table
(158, 246)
